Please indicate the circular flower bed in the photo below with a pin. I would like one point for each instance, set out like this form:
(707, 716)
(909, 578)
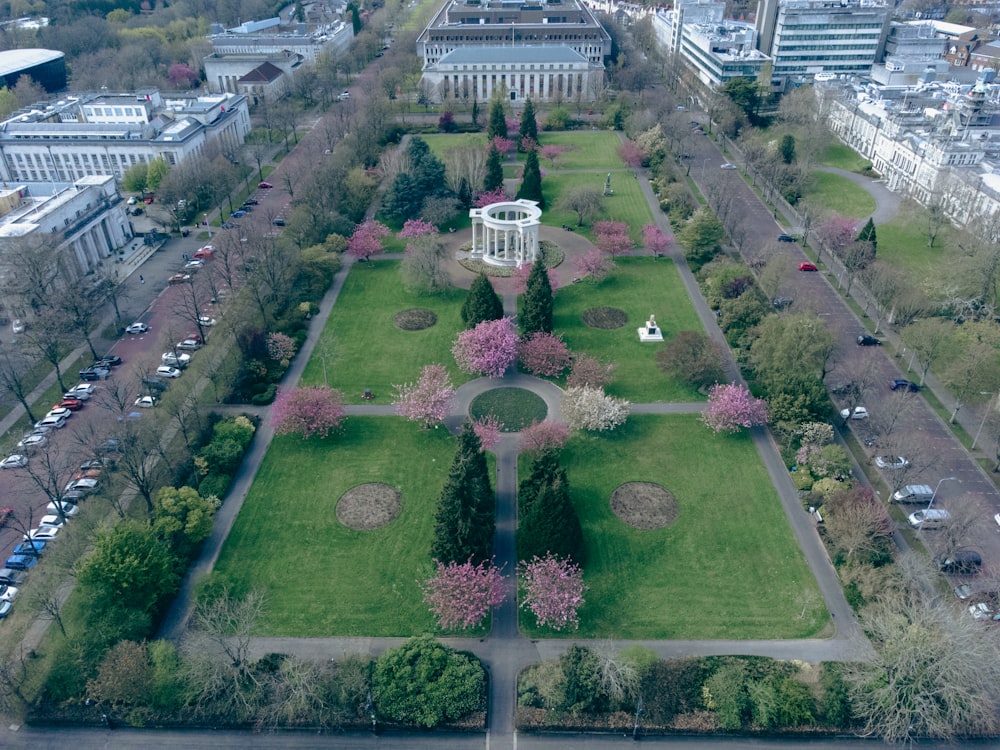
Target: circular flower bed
(415, 319)
(607, 318)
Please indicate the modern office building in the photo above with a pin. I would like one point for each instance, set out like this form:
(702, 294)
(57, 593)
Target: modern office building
(105, 134)
(809, 37)
(548, 50)
(45, 66)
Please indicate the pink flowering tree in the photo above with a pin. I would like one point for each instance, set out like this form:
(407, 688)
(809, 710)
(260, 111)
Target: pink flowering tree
(280, 348)
(552, 591)
(544, 436)
(414, 229)
(519, 279)
(655, 240)
(182, 75)
(543, 354)
(488, 431)
(307, 411)
(612, 237)
(732, 407)
(593, 264)
(551, 153)
(488, 349)
(835, 234)
(513, 124)
(492, 196)
(428, 400)
(504, 146)
(528, 144)
(632, 154)
(367, 239)
(461, 595)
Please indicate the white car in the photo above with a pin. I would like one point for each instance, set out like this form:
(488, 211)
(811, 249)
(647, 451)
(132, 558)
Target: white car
(175, 360)
(86, 485)
(34, 440)
(137, 328)
(189, 344)
(131, 201)
(78, 395)
(68, 509)
(52, 520)
(728, 165)
(14, 461)
(83, 391)
(206, 321)
(981, 611)
(891, 462)
(859, 412)
(60, 411)
(51, 422)
(41, 534)
(146, 402)
(166, 371)
(194, 265)
(7, 593)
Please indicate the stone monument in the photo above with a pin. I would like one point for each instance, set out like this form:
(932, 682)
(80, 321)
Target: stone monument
(651, 331)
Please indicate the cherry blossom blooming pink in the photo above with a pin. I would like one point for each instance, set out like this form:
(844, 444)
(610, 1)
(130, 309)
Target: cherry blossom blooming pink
(551, 153)
(732, 407)
(307, 411)
(493, 196)
(488, 431)
(655, 240)
(504, 146)
(553, 591)
(632, 154)
(542, 436)
(593, 264)
(612, 237)
(415, 229)
(280, 347)
(367, 239)
(461, 595)
(543, 354)
(429, 399)
(488, 349)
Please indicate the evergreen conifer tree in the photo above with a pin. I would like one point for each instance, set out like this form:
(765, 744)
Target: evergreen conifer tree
(529, 126)
(475, 113)
(465, 521)
(482, 303)
(498, 120)
(867, 234)
(537, 306)
(531, 184)
(494, 171)
(548, 521)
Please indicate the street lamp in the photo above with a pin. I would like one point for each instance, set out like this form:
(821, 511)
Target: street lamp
(934, 495)
(986, 413)
(209, 226)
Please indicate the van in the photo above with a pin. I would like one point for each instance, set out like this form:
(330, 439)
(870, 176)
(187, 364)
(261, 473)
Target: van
(913, 493)
(929, 519)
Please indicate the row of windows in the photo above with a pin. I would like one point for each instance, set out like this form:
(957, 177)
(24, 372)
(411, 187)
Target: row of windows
(519, 35)
(114, 111)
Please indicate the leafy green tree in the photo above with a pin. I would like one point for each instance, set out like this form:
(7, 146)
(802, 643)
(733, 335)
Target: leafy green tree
(701, 237)
(482, 303)
(531, 182)
(156, 171)
(494, 171)
(424, 180)
(183, 518)
(582, 688)
(8, 102)
(726, 695)
(537, 305)
(786, 148)
(790, 346)
(694, 358)
(497, 126)
(465, 521)
(548, 522)
(529, 126)
(134, 179)
(744, 93)
(426, 683)
(867, 234)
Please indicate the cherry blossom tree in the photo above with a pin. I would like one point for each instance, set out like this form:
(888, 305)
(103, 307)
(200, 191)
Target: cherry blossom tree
(590, 371)
(613, 237)
(488, 349)
(504, 146)
(594, 265)
(520, 278)
(429, 399)
(513, 124)
(280, 348)
(491, 196)
(586, 408)
(551, 153)
(181, 75)
(307, 411)
(632, 154)
(367, 239)
(543, 436)
(543, 354)
(655, 240)
(835, 234)
(461, 595)
(731, 407)
(414, 229)
(488, 431)
(553, 591)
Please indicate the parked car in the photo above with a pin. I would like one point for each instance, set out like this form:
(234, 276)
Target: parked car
(250, 202)
(859, 412)
(31, 441)
(891, 462)
(785, 238)
(238, 213)
(179, 361)
(166, 371)
(137, 328)
(95, 373)
(61, 506)
(31, 547)
(155, 384)
(279, 222)
(782, 303)
(21, 562)
(108, 361)
(86, 486)
(145, 402)
(52, 421)
(204, 320)
(963, 591)
(52, 520)
(344, 96)
(14, 461)
(194, 264)
(60, 411)
(808, 267)
(9, 577)
(18, 326)
(42, 534)
(7, 592)
(179, 278)
(728, 165)
(865, 340)
(78, 396)
(905, 385)
(189, 344)
(73, 404)
(265, 185)
(929, 519)
(963, 562)
(230, 225)
(205, 253)
(5, 608)
(73, 496)
(82, 391)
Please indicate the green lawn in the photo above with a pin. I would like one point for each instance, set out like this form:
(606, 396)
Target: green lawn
(903, 243)
(589, 150)
(639, 286)
(836, 193)
(627, 204)
(843, 157)
(729, 567)
(362, 348)
(321, 577)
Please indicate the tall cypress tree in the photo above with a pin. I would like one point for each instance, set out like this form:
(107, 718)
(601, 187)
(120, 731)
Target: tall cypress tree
(537, 306)
(498, 120)
(475, 113)
(867, 234)
(494, 171)
(529, 127)
(465, 520)
(482, 303)
(531, 184)
(548, 522)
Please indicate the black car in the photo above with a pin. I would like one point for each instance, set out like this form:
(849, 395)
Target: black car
(782, 303)
(868, 341)
(905, 385)
(250, 202)
(962, 562)
(785, 238)
(279, 222)
(155, 384)
(108, 361)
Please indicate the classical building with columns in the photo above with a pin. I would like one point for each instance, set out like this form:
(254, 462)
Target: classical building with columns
(545, 50)
(506, 233)
(85, 223)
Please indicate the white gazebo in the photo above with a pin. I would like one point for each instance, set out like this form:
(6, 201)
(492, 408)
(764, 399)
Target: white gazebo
(506, 233)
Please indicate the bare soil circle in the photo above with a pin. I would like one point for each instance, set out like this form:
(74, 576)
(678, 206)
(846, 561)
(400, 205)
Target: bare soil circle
(644, 505)
(607, 318)
(369, 506)
(415, 319)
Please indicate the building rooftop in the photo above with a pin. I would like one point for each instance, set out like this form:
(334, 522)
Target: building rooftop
(13, 60)
(494, 55)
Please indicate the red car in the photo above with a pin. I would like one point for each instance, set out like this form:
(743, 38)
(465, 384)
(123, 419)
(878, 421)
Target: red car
(807, 267)
(69, 403)
(265, 185)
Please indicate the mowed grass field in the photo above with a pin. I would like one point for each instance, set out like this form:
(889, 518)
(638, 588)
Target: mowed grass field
(836, 193)
(362, 348)
(639, 286)
(627, 204)
(729, 567)
(321, 577)
(586, 149)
